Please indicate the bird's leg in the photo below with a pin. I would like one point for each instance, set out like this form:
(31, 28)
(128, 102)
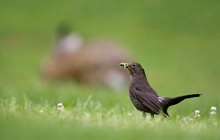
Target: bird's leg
(152, 116)
(143, 114)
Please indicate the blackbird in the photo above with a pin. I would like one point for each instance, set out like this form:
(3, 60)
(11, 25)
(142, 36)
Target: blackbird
(144, 97)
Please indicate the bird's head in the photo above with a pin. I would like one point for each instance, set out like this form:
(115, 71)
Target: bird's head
(134, 68)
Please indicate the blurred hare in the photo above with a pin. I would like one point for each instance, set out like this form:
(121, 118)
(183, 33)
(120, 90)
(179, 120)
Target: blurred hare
(92, 64)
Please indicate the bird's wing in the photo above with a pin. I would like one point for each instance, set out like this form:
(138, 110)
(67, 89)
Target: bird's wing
(148, 100)
(151, 91)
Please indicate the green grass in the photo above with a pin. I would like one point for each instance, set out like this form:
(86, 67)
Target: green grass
(177, 42)
(25, 119)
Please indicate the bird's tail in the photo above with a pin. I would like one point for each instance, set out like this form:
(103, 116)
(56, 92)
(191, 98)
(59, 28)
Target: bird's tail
(167, 102)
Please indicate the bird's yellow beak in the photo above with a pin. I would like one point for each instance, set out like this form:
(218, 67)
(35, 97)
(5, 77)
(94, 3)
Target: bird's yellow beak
(125, 65)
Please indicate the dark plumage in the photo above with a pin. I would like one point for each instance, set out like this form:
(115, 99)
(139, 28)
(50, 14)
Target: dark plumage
(143, 95)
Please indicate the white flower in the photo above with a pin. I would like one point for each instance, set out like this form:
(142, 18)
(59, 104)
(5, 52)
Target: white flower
(197, 113)
(212, 113)
(60, 106)
(213, 108)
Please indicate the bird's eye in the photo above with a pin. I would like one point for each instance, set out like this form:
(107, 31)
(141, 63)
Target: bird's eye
(133, 65)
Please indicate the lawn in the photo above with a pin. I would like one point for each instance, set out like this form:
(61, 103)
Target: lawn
(177, 42)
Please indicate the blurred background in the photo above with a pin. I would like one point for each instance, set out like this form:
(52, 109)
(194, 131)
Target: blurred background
(177, 42)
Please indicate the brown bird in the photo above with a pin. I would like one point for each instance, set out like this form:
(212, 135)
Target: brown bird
(144, 97)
